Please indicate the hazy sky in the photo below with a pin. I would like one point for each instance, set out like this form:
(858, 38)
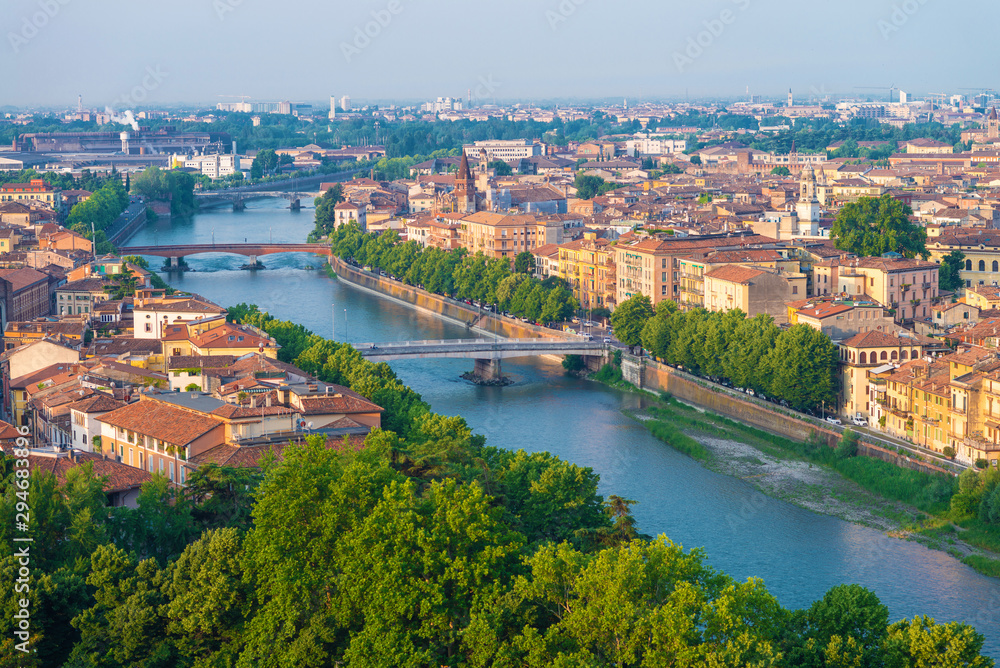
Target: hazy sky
(126, 53)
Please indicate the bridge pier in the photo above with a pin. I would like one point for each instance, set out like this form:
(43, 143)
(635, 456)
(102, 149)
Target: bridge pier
(295, 204)
(488, 372)
(174, 261)
(239, 204)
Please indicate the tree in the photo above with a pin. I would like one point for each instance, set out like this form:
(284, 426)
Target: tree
(123, 284)
(803, 365)
(630, 317)
(265, 163)
(923, 642)
(501, 167)
(873, 226)
(950, 274)
(524, 263)
(588, 187)
(780, 171)
(326, 218)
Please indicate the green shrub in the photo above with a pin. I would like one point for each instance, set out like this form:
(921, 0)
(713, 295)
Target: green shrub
(573, 363)
(609, 374)
(678, 440)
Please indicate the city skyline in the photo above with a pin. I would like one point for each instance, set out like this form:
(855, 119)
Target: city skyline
(205, 51)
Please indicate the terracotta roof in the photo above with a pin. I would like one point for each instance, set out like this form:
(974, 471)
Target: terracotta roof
(99, 403)
(734, 274)
(22, 278)
(161, 421)
(244, 456)
(876, 339)
(230, 336)
(325, 404)
(120, 477)
(825, 310)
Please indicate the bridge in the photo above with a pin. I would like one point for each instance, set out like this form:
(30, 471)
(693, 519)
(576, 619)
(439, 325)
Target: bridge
(486, 352)
(238, 198)
(253, 251)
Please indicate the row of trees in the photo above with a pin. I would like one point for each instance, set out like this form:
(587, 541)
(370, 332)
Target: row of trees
(459, 275)
(798, 365)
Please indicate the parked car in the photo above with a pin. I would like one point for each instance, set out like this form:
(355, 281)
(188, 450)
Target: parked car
(833, 420)
(859, 421)
(607, 339)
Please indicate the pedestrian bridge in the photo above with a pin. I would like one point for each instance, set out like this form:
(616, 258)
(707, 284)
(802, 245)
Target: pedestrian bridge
(486, 352)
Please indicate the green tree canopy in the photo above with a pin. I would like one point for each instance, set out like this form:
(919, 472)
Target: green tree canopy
(950, 274)
(873, 226)
(630, 317)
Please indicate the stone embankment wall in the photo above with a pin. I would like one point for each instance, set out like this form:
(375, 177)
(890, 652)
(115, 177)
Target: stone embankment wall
(659, 378)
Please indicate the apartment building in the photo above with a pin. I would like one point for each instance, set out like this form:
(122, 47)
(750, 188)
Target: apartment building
(504, 236)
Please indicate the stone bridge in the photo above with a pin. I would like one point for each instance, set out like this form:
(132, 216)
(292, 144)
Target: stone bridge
(486, 352)
(253, 251)
(238, 198)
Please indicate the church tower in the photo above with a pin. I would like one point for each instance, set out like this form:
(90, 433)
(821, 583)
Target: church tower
(791, 100)
(992, 125)
(807, 208)
(465, 189)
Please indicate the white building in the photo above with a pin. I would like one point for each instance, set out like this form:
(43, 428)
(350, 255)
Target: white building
(646, 146)
(153, 314)
(214, 166)
(83, 420)
(506, 150)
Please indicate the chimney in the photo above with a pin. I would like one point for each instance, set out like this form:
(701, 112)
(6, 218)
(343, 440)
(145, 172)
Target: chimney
(267, 400)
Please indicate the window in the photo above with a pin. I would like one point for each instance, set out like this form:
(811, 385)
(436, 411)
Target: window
(864, 358)
(795, 289)
(968, 265)
(982, 265)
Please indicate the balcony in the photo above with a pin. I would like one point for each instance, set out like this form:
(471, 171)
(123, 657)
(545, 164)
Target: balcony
(693, 291)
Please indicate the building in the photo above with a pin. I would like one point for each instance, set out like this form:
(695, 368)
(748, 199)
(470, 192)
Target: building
(214, 166)
(861, 353)
(840, 319)
(36, 190)
(504, 236)
(754, 290)
(153, 313)
(649, 265)
(80, 297)
(507, 150)
(86, 430)
(158, 437)
(909, 287)
(348, 212)
(18, 334)
(588, 267)
(25, 295)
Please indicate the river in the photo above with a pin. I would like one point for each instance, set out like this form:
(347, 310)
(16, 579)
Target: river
(799, 554)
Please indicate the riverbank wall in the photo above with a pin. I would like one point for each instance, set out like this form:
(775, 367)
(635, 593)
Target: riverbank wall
(449, 309)
(655, 377)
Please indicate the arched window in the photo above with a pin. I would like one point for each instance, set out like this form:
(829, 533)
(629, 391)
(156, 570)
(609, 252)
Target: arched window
(996, 265)
(864, 358)
(968, 265)
(982, 265)
(904, 355)
(883, 356)
(894, 356)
